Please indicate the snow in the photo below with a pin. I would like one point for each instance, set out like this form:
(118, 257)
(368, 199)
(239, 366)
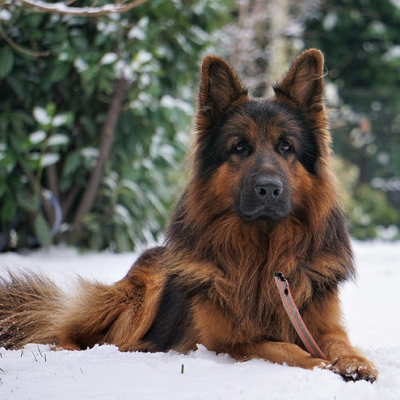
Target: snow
(60, 119)
(109, 58)
(90, 152)
(139, 30)
(37, 136)
(168, 101)
(5, 15)
(63, 8)
(57, 139)
(370, 311)
(41, 116)
(81, 65)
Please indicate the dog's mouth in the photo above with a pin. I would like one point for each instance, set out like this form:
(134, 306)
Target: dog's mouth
(262, 212)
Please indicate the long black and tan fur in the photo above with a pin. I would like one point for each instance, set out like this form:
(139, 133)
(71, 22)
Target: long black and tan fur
(261, 198)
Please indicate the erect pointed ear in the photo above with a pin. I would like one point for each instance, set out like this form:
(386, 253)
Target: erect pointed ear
(220, 88)
(304, 83)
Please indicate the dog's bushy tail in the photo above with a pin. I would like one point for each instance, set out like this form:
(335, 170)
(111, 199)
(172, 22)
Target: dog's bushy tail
(29, 304)
(33, 309)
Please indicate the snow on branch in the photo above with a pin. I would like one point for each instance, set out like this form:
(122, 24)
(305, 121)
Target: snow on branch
(64, 8)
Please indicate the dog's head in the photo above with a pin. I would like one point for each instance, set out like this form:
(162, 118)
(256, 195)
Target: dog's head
(261, 157)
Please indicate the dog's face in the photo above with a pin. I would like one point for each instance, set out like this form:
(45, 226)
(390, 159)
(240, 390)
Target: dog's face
(261, 155)
(259, 151)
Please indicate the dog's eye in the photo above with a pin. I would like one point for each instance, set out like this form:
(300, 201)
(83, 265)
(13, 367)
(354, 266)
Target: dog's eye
(286, 147)
(240, 148)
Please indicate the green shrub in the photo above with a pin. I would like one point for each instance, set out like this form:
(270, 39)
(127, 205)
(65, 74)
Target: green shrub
(369, 212)
(57, 82)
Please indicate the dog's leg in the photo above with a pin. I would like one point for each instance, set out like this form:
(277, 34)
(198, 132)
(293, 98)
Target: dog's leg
(324, 320)
(345, 359)
(349, 363)
(280, 353)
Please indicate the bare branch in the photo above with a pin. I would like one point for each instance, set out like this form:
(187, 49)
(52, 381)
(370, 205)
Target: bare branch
(107, 136)
(20, 48)
(63, 8)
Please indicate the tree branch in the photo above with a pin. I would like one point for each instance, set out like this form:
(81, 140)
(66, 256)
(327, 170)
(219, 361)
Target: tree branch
(107, 136)
(68, 200)
(20, 48)
(63, 8)
(52, 180)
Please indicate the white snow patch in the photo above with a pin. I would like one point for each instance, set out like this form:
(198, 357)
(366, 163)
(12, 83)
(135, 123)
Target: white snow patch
(41, 116)
(37, 136)
(49, 159)
(5, 15)
(370, 311)
(168, 101)
(60, 119)
(109, 58)
(392, 54)
(58, 139)
(90, 152)
(139, 30)
(81, 65)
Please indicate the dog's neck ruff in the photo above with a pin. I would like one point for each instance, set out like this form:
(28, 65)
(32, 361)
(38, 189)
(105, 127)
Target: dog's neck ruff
(295, 317)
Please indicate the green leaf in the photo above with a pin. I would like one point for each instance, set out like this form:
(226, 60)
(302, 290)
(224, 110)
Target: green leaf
(59, 72)
(19, 120)
(88, 125)
(8, 211)
(42, 230)
(28, 204)
(100, 39)
(51, 109)
(6, 61)
(72, 163)
(121, 240)
(81, 87)
(80, 42)
(3, 188)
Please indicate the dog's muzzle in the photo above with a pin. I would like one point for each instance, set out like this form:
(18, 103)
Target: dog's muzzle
(264, 196)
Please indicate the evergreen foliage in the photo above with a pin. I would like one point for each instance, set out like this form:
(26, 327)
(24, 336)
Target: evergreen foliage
(58, 76)
(360, 40)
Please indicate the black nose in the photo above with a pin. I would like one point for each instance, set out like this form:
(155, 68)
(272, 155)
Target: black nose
(268, 187)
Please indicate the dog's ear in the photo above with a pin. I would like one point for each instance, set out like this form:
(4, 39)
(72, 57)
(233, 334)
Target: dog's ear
(220, 89)
(304, 83)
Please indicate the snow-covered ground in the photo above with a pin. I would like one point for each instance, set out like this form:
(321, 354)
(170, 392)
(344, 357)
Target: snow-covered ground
(371, 310)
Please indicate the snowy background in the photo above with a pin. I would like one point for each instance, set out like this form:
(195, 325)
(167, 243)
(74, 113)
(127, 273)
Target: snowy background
(370, 309)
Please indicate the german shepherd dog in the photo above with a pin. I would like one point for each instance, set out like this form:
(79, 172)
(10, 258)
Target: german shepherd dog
(261, 198)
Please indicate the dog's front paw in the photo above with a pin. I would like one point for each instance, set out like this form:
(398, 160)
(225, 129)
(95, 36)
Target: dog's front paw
(355, 368)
